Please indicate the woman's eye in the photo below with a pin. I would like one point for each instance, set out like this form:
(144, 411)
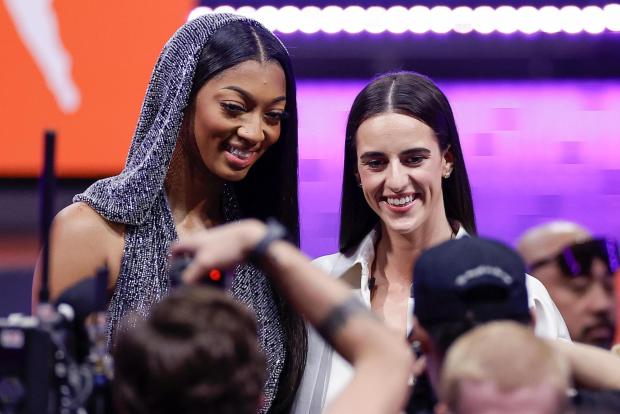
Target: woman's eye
(414, 160)
(275, 116)
(374, 164)
(232, 108)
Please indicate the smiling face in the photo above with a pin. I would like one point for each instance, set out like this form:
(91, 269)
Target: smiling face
(400, 167)
(237, 117)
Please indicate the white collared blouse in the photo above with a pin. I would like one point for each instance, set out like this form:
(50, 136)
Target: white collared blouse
(327, 373)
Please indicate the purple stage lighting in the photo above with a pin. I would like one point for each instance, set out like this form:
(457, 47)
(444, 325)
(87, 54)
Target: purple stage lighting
(438, 19)
(535, 151)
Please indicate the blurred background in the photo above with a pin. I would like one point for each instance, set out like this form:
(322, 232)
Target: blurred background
(535, 91)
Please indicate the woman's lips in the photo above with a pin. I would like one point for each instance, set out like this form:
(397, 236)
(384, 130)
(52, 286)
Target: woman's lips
(400, 203)
(239, 158)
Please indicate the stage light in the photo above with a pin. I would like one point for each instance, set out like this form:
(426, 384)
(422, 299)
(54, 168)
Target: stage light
(376, 20)
(267, 15)
(612, 17)
(396, 18)
(310, 20)
(484, 19)
(441, 19)
(420, 19)
(356, 19)
(508, 20)
(463, 19)
(247, 11)
(570, 19)
(528, 20)
(225, 9)
(197, 12)
(593, 20)
(288, 19)
(550, 19)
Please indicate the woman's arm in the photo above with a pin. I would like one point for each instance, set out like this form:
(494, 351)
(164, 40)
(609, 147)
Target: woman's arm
(81, 241)
(382, 360)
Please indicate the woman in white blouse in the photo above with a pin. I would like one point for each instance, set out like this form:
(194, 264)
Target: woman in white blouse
(405, 188)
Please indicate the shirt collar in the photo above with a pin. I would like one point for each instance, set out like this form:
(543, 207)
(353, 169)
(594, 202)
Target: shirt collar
(364, 257)
(461, 233)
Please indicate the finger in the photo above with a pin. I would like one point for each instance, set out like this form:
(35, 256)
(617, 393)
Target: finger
(192, 244)
(195, 271)
(181, 248)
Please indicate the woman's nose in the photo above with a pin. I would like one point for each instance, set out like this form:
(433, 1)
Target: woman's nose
(252, 131)
(397, 178)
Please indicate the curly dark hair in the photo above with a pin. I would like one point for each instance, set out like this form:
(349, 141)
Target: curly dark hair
(198, 352)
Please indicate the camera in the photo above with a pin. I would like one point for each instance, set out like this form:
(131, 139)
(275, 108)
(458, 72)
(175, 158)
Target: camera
(57, 362)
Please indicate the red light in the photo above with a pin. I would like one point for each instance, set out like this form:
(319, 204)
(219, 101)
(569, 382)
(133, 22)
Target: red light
(215, 275)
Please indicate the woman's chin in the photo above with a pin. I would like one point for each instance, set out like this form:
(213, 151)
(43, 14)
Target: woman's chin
(233, 176)
(402, 227)
(226, 173)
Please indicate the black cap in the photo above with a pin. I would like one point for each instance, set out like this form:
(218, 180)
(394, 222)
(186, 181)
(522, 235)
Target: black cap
(472, 279)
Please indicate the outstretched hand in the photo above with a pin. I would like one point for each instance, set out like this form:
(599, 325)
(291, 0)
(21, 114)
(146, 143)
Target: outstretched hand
(220, 247)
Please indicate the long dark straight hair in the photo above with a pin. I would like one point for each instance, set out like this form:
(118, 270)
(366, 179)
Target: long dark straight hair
(415, 95)
(270, 187)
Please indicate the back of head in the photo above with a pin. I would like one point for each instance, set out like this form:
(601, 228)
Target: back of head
(475, 280)
(414, 95)
(503, 363)
(197, 352)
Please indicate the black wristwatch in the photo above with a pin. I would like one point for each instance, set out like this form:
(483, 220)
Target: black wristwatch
(275, 231)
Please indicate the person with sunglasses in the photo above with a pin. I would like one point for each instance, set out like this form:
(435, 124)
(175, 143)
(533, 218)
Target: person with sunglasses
(577, 270)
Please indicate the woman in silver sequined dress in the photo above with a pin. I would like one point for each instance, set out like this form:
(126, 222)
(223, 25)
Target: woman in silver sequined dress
(216, 141)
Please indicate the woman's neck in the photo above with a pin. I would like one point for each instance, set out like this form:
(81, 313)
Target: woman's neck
(194, 193)
(397, 253)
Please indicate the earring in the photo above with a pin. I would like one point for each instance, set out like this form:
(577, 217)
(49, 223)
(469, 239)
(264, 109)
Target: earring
(359, 185)
(447, 174)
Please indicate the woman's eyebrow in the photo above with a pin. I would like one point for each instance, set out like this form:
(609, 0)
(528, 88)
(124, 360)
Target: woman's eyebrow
(248, 96)
(371, 154)
(416, 151)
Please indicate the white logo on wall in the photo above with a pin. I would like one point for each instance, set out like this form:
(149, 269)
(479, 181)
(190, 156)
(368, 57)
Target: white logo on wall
(37, 26)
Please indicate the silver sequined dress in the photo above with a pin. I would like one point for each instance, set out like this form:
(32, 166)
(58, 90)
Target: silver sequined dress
(136, 198)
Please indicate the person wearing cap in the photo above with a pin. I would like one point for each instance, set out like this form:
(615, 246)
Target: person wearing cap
(405, 189)
(462, 284)
(577, 270)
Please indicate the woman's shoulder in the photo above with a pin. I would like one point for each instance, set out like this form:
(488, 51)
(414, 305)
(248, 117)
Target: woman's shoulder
(80, 218)
(81, 241)
(81, 227)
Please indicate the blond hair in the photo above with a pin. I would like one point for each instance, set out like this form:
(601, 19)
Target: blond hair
(506, 354)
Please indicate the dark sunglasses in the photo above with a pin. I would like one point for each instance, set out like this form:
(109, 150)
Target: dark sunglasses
(577, 258)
